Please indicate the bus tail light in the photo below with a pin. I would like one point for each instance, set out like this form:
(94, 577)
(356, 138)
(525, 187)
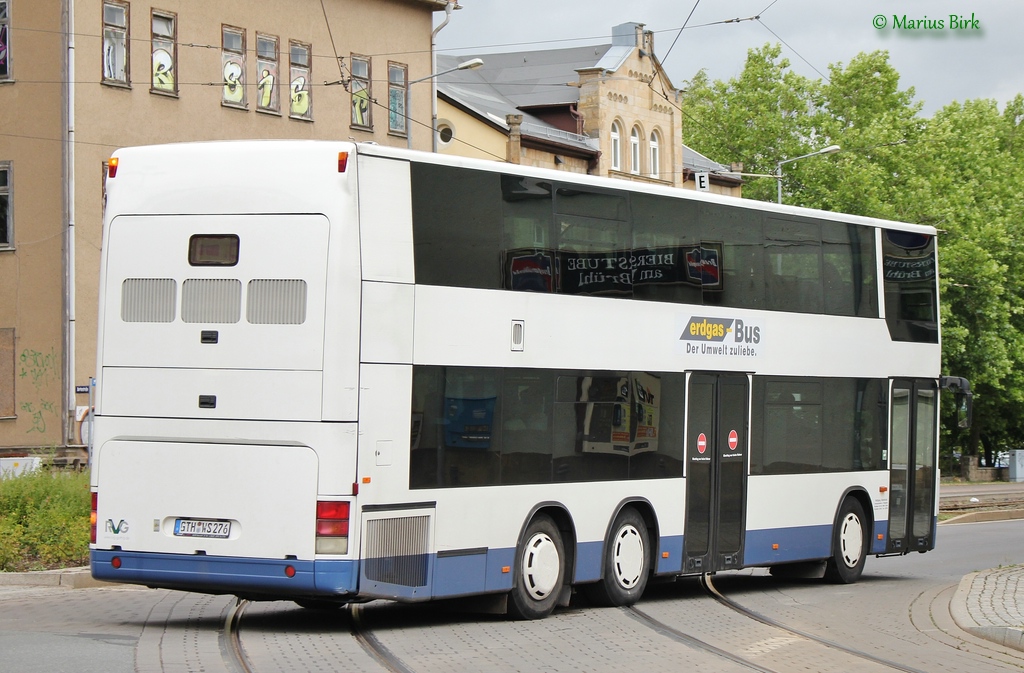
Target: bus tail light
(93, 518)
(332, 520)
(112, 167)
(342, 161)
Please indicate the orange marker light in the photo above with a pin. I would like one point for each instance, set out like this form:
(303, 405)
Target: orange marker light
(881, 537)
(883, 489)
(366, 480)
(664, 554)
(775, 547)
(506, 569)
(112, 167)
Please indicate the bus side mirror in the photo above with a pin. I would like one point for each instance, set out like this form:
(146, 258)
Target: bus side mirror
(961, 387)
(964, 409)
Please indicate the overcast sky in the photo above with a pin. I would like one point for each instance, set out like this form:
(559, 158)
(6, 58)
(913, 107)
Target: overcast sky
(942, 65)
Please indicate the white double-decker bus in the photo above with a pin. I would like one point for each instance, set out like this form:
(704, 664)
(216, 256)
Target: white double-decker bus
(332, 372)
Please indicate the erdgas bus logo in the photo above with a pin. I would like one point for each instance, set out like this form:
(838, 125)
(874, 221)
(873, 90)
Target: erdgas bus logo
(720, 336)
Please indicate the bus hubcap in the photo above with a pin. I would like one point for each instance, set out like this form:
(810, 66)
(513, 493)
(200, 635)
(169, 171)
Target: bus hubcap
(628, 557)
(851, 540)
(540, 566)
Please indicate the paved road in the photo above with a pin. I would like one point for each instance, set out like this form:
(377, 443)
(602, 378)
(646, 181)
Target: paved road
(898, 613)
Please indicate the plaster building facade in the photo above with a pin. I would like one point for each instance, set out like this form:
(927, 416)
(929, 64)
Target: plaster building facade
(607, 110)
(80, 78)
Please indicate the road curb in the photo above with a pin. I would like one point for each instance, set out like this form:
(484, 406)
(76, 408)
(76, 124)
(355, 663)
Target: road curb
(1006, 636)
(991, 515)
(68, 578)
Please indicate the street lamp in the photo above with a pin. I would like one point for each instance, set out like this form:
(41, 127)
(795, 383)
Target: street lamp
(831, 149)
(465, 65)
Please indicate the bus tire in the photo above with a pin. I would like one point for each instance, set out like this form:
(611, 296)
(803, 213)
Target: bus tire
(626, 567)
(539, 571)
(849, 544)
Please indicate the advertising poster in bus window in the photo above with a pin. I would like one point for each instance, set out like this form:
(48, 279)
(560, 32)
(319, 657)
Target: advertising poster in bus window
(528, 270)
(619, 415)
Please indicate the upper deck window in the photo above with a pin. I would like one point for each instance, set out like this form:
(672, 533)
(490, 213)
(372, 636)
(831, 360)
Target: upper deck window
(911, 296)
(488, 230)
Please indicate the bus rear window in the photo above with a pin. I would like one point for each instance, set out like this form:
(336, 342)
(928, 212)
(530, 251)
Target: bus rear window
(213, 250)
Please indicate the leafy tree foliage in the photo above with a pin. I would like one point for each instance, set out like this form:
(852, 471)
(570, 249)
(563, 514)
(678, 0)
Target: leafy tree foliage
(961, 171)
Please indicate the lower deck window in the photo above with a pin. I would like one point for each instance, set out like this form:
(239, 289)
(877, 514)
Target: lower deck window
(488, 426)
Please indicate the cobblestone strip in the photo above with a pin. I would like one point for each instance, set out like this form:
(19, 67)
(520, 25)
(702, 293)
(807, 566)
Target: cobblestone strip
(986, 604)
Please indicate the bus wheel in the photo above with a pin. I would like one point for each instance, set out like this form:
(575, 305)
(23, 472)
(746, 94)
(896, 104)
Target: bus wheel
(540, 571)
(626, 562)
(849, 544)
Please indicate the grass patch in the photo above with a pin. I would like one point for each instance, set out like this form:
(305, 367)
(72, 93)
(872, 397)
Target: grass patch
(44, 520)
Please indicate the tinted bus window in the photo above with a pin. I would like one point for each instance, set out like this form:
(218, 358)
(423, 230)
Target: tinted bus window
(911, 302)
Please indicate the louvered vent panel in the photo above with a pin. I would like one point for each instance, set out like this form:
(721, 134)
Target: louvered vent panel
(148, 299)
(211, 300)
(276, 302)
(396, 550)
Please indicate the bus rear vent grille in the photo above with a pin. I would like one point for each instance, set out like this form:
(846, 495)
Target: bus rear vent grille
(397, 550)
(276, 302)
(211, 300)
(148, 299)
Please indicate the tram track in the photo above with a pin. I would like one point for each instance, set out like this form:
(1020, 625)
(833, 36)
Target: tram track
(231, 644)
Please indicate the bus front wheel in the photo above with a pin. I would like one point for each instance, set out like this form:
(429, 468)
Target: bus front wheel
(849, 544)
(540, 571)
(626, 562)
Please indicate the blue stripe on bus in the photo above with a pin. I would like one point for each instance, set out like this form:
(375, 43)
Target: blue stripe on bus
(878, 544)
(229, 574)
(801, 543)
(673, 544)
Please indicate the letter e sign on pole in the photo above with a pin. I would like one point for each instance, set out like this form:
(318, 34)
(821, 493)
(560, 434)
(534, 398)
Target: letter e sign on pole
(703, 181)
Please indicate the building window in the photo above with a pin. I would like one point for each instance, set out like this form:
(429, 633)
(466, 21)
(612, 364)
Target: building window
(655, 156)
(616, 147)
(233, 66)
(116, 44)
(396, 98)
(165, 53)
(300, 87)
(360, 88)
(634, 151)
(8, 373)
(267, 98)
(5, 42)
(6, 212)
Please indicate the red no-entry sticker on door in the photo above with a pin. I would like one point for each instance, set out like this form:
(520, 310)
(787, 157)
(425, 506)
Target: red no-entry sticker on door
(702, 443)
(734, 440)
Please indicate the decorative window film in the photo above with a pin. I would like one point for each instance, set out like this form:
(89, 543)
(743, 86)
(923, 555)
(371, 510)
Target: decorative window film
(360, 87)
(6, 213)
(301, 91)
(165, 53)
(116, 43)
(5, 43)
(267, 97)
(233, 66)
(396, 98)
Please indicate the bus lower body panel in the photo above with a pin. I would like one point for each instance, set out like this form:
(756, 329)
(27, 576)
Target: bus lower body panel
(249, 577)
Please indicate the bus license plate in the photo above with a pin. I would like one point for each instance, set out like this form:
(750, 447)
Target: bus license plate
(201, 528)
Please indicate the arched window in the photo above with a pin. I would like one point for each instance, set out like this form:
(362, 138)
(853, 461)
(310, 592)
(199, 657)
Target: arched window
(655, 156)
(616, 148)
(634, 151)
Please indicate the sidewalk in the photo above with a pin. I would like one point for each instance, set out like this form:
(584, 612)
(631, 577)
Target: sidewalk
(985, 604)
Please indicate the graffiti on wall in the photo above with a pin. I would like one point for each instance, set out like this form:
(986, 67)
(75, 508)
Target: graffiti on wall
(41, 370)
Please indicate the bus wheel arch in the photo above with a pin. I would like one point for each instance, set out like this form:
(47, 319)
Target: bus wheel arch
(543, 565)
(628, 556)
(851, 538)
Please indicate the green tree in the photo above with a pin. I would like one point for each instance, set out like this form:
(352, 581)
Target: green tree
(961, 171)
